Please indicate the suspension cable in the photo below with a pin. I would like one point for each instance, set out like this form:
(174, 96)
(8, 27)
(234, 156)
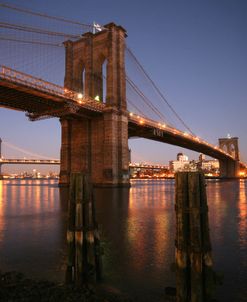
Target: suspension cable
(25, 151)
(145, 99)
(28, 11)
(30, 42)
(158, 90)
(138, 110)
(35, 30)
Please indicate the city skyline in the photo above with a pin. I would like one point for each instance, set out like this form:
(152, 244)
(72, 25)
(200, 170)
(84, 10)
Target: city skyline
(196, 53)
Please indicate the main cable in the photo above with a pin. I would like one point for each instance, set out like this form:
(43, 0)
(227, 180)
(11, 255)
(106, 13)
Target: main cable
(30, 42)
(158, 90)
(36, 30)
(28, 11)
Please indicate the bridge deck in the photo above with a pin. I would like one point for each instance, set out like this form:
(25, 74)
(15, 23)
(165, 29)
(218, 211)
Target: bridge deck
(22, 92)
(40, 99)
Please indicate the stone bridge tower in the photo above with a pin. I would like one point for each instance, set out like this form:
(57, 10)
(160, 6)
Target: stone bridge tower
(229, 168)
(97, 145)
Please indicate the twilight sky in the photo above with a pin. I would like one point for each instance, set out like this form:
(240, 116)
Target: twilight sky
(195, 51)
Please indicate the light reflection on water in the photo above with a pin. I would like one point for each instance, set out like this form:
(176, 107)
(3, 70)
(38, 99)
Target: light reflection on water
(31, 227)
(138, 229)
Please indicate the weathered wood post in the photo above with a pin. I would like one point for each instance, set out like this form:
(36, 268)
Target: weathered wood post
(84, 256)
(194, 274)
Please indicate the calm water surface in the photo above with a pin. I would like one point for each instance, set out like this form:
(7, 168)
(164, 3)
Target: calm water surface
(138, 229)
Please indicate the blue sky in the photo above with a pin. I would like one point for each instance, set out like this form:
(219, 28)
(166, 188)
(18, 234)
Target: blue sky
(195, 51)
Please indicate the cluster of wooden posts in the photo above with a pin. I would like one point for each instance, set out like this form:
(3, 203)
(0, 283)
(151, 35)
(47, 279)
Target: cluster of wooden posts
(84, 253)
(195, 280)
(194, 273)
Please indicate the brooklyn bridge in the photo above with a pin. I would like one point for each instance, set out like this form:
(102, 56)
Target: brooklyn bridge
(97, 118)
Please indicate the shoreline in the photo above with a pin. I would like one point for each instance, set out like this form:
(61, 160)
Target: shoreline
(16, 287)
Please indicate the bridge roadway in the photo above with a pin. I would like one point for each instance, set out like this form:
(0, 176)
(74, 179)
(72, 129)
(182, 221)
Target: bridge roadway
(40, 99)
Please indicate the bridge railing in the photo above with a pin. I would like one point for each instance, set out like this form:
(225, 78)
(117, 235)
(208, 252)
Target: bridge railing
(36, 83)
(23, 78)
(164, 127)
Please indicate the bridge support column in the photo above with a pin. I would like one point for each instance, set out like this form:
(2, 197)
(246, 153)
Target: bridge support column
(97, 147)
(229, 168)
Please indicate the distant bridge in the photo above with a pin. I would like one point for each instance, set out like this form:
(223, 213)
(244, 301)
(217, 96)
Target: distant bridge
(28, 161)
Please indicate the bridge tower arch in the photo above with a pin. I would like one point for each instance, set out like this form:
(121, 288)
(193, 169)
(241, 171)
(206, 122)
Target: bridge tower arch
(230, 167)
(97, 145)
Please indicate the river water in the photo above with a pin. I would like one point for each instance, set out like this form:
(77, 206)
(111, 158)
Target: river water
(137, 229)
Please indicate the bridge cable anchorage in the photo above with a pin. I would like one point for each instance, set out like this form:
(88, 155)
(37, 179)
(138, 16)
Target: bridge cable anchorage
(158, 90)
(31, 12)
(25, 151)
(145, 99)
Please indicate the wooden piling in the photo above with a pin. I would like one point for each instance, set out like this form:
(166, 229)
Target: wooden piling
(182, 229)
(194, 274)
(82, 234)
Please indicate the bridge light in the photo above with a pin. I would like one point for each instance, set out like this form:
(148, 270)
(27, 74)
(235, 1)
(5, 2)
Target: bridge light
(79, 96)
(141, 122)
(97, 98)
(131, 113)
(186, 134)
(164, 125)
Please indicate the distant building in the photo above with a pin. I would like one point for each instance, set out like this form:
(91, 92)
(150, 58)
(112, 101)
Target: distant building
(182, 157)
(210, 165)
(182, 163)
(202, 157)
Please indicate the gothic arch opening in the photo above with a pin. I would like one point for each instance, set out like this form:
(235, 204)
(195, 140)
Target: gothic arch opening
(233, 150)
(224, 148)
(79, 78)
(100, 79)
